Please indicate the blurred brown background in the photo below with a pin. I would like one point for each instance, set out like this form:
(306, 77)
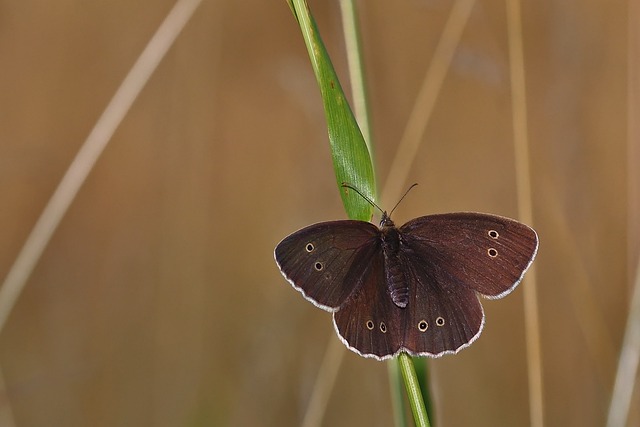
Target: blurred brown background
(157, 302)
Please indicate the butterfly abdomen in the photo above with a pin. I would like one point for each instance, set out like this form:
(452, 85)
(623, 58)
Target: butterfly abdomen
(394, 274)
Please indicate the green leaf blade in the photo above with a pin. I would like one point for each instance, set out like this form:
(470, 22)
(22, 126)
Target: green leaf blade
(351, 160)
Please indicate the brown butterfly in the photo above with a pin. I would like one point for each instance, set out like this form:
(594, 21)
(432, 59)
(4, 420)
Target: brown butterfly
(412, 288)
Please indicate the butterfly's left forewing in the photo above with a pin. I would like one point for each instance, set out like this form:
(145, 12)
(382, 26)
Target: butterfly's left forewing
(324, 261)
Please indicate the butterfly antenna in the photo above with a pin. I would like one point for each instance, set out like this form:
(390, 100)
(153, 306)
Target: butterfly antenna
(371, 202)
(402, 198)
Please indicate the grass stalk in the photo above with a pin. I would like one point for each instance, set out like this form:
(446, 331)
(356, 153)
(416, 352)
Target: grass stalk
(525, 208)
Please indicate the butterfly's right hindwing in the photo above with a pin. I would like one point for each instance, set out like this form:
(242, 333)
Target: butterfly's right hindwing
(440, 317)
(323, 261)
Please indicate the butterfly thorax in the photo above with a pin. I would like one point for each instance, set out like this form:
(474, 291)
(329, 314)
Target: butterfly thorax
(396, 280)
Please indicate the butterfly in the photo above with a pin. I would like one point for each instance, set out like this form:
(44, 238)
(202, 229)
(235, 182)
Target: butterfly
(413, 288)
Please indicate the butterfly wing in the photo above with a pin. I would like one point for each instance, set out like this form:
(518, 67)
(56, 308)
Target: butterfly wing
(440, 317)
(486, 253)
(326, 261)
(369, 323)
(449, 258)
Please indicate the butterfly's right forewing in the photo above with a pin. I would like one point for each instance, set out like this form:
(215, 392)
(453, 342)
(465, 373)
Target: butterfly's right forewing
(324, 261)
(486, 253)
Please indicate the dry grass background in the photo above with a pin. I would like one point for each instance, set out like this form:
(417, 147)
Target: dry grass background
(157, 302)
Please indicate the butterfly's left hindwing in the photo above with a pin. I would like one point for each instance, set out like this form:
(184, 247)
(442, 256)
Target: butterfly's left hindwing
(326, 261)
(369, 323)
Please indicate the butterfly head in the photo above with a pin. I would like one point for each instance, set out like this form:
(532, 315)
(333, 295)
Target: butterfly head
(385, 221)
